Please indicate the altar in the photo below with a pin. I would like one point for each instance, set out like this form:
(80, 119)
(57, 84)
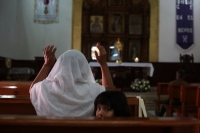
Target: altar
(123, 74)
(149, 66)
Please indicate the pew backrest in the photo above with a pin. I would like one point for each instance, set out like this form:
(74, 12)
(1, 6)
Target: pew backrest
(162, 90)
(14, 87)
(188, 97)
(133, 103)
(198, 97)
(33, 124)
(173, 93)
(14, 104)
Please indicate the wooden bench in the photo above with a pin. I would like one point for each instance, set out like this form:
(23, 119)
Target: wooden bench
(133, 103)
(198, 103)
(174, 93)
(20, 89)
(18, 105)
(188, 97)
(21, 105)
(162, 90)
(14, 87)
(35, 124)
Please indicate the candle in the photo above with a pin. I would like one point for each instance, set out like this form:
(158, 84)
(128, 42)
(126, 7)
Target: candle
(136, 59)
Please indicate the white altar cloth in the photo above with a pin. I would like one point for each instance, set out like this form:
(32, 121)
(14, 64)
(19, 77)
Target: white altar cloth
(149, 66)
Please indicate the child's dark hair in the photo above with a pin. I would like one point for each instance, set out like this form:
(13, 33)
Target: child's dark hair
(116, 100)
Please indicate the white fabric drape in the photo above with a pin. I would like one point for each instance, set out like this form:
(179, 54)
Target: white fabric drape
(141, 107)
(69, 89)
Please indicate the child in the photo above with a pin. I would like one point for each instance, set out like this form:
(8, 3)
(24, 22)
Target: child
(110, 104)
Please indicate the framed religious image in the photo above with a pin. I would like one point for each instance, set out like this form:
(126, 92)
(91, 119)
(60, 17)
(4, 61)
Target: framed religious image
(116, 23)
(96, 24)
(46, 11)
(116, 3)
(134, 49)
(135, 24)
(113, 53)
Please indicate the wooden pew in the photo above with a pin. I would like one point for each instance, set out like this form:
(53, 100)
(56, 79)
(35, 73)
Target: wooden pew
(188, 96)
(18, 105)
(198, 102)
(162, 90)
(174, 93)
(133, 103)
(35, 124)
(23, 83)
(21, 105)
(21, 89)
(14, 87)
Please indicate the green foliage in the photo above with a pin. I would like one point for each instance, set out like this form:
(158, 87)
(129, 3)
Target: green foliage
(98, 80)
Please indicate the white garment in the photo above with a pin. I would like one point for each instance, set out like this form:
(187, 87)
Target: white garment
(69, 90)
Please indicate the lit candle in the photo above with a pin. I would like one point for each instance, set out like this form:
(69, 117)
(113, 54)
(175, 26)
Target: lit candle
(136, 59)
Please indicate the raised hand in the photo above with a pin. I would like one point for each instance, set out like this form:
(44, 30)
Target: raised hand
(101, 58)
(49, 61)
(49, 55)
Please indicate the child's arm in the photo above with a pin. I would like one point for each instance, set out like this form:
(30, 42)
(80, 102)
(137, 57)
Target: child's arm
(106, 77)
(49, 61)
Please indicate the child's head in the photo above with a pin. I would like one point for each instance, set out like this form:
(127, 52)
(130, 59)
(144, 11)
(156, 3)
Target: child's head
(111, 103)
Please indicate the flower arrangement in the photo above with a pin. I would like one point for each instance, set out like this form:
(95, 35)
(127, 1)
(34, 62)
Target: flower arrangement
(140, 85)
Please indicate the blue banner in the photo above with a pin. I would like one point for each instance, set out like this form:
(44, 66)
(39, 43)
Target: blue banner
(184, 23)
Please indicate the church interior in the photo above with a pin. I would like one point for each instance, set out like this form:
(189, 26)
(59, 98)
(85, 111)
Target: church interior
(140, 39)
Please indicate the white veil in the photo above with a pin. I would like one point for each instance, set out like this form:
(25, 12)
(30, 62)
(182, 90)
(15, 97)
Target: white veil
(69, 89)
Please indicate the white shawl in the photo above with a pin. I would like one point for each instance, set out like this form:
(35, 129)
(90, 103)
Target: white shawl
(69, 90)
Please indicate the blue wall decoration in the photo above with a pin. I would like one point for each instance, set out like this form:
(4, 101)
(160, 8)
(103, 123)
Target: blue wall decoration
(184, 23)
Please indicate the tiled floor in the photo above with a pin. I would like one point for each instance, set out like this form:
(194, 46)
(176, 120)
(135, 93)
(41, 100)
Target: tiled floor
(151, 113)
(148, 97)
